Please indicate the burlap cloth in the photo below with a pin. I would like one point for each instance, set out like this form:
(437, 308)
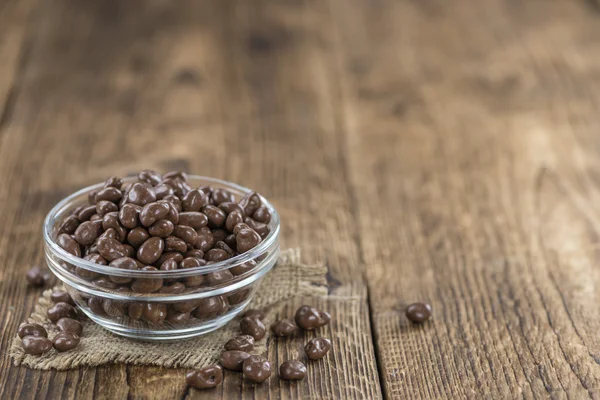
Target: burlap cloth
(98, 346)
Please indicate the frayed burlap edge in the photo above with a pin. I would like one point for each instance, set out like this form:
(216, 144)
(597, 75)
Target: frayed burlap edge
(98, 346)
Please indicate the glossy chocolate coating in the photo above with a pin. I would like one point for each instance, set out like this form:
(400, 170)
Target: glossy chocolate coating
(233, 359)
(418, 312)
(292, 370)
(241, 342)
(253, 326)
(205, 378)
(309, 318)
(65, 341)
(257, 369)
(317, 348)
(70, 325)
(61, 310)
(32, 329)
(36, 345)
(61, 296)
(284, 327)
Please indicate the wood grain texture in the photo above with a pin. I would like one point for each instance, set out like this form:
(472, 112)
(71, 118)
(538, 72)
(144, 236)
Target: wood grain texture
(473, 148)
(16, 35)
(221, 88)
(425, 150)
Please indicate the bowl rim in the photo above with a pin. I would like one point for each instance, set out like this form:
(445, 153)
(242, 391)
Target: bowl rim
(61, 207)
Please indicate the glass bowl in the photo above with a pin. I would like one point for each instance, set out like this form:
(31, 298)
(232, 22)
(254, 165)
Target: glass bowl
(190, 302)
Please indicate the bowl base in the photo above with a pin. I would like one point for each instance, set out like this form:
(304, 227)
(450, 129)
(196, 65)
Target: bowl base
(165, 335)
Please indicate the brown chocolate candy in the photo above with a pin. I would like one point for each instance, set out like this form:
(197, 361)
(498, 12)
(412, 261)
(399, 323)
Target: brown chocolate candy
(172, 199)
(242, 268)
(204, 239)
(186, 233)
(218, 277)
(36, 345)
(216, 255)
(70, 325)
(239, 296)
(256, 368)
(233, 360)
(111, 249)
(219, 196)
(150, 176)
(104, 207)
(141, 194)
(88, 232)
(129, 215)
(211, 307)
(253, 326)
(195, 220)
(231, 241)
(96, 305)
(69, 225)
(35, 275)
(61, 310)
(284, 327)
(231, 206)
(65, 341)
(87, 212)
(137, 236)
(191, 262)
(153, 212)
(176, 175)
(109, 193)
(317, 348)
(113, 181)
(135, 310)
(194, 200)
(250, 203)
(147, 285)
(150, 250)
(262, 229)
(262, 215)
(418, 312)
(219, 235)
(180, 187)
(173, 243)
(216, 216)
(31, 329)
(177, 318)
(175, 288)
(111, 221)
(186, 306)
(60, 296)
(253, 312)
(292, 370)
(154, 312)
(169, 265)
(205, 378)
(309, 318)
(246, 239)
(161, 228)
(233, 219)
(241, 342)
(104, 282)
(127, 263)
(167, 256)
(69, 244)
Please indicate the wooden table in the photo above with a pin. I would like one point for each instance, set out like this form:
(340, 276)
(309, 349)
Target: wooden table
(445, 151)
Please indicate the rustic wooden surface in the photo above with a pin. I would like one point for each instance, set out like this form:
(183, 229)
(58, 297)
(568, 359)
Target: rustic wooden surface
(425, 150)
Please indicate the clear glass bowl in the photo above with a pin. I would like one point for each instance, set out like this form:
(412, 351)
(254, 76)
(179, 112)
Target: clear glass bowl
(191, 302)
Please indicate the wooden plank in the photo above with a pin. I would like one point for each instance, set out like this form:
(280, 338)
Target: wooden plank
(220, 88)
(473, 147)
(16, 35)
